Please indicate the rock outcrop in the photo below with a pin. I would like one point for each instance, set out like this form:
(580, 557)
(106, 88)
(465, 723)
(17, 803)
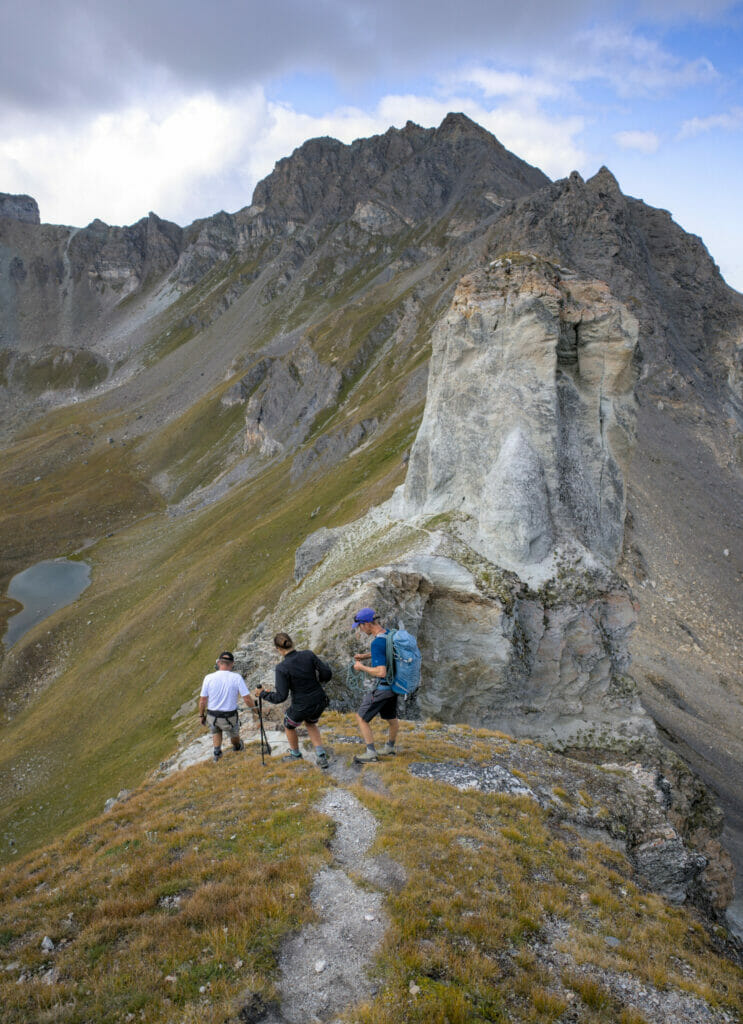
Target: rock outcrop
(23, 208)
(529, 416)
(505, 535)
(690, 320)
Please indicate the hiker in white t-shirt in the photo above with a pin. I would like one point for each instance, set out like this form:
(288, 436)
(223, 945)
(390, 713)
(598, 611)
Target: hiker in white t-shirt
(220, 692)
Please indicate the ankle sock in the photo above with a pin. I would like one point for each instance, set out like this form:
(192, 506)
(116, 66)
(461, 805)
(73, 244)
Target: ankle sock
(371, 748)
(319, 750)
(295, 753)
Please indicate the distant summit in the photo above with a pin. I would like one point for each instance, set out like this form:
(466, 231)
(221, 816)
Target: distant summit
(23, 208)
(417, 172)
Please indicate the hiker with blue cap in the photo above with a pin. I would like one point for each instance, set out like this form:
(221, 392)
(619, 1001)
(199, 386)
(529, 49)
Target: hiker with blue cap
(381, 700)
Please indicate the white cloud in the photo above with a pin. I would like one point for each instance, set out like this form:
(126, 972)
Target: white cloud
(118, 166)
(509, 83)
(730, 122)
(645, 142)
(631, 64)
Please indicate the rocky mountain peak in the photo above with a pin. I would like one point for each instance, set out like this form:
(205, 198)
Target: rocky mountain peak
(604, 181)
(460, 124)
(416, 171)
(19, 207)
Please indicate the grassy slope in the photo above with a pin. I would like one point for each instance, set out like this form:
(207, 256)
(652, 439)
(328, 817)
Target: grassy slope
(166, 595)
(503, 917)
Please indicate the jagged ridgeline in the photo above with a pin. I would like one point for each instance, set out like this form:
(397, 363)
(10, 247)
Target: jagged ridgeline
(413, 373)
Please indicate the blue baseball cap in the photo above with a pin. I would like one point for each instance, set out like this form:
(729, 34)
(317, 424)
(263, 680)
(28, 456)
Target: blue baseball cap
(365, 615)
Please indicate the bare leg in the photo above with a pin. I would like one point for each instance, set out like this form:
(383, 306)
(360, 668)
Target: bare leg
(365, 730)
(314, 734)
(291, 738)
(217, 739)
(393, 725)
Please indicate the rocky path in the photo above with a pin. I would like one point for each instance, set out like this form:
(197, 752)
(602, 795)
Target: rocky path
(323, 968)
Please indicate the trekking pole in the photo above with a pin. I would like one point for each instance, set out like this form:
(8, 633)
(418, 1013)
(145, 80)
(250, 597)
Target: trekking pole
(265, 745)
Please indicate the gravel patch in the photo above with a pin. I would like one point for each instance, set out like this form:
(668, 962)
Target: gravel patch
(488, 778)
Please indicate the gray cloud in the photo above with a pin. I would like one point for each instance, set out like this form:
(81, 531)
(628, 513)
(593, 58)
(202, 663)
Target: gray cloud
(97, 53)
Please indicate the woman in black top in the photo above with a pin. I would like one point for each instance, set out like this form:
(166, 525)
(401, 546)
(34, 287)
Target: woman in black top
(300, 673)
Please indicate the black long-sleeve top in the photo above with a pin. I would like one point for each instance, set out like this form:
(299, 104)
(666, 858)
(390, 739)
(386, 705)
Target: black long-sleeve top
(300, 672)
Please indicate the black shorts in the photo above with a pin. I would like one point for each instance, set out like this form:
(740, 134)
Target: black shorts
(307, 713)
(378, 702)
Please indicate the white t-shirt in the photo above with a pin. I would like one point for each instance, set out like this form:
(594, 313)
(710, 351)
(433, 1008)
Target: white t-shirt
(222, 689)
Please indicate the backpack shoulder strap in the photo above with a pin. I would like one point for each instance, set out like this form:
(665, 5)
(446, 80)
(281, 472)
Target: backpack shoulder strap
(390, 655)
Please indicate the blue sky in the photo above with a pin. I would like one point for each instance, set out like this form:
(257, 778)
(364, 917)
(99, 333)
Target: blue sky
(111, 110)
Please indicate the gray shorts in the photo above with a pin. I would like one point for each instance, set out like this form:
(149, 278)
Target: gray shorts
(379, 702)
(224, 721)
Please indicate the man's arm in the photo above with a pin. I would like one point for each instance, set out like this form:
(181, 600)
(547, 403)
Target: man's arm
(377, 654)
(378, 671)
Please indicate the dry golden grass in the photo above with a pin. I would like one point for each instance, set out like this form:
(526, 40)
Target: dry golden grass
(489, 878)
(189, 885)
(173, 907)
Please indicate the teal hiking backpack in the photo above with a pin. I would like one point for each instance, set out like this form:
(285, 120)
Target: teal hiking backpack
(403, 662)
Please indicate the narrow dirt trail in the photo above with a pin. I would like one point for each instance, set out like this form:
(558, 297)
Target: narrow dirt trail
(323, 968)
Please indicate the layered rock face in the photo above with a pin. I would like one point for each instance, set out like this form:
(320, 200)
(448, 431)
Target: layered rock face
(529, 416)
(521, 456)
(690, 319)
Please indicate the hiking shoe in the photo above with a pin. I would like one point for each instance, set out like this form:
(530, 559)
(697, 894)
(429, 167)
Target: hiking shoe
(217, 753)
(241, 747)
(291, 757)
(366, 758)
(388, 748)
(323, 760)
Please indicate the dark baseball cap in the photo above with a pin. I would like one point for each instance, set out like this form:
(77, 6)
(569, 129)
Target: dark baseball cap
(364, 615)
(225, 656)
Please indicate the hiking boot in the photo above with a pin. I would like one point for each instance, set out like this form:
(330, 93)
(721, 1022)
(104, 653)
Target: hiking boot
(291, 757)
(388, 748)
(366, 758)
(217, 753)
(238, 749)
(323, 760)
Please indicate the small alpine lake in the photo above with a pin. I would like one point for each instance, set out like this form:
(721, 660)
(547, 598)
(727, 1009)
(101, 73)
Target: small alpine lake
(42, 589)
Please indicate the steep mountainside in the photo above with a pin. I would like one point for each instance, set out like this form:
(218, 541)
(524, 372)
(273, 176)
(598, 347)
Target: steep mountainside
(188, 405)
